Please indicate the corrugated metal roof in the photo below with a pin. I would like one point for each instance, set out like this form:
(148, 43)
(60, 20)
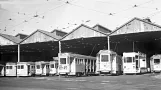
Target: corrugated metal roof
(44, 32)
(11, 38)
(86, 27)
(135, 18)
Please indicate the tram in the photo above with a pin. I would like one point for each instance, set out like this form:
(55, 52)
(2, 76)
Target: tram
(25, 69)
(134, 63)
(76, 64)
(53, 66)
(42, 68)
(155, 63)
(11, 69)
(108, 62)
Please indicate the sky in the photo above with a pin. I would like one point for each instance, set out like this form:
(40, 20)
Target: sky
(26, 16)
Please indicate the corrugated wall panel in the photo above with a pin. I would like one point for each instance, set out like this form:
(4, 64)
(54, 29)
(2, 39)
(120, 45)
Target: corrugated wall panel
(4, 41)
(38, 37)
(83, 32)
(136, 26)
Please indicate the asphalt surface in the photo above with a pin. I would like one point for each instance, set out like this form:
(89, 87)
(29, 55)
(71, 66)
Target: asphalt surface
(123, 82)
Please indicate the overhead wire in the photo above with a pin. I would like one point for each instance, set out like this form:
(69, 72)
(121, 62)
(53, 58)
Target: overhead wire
(112, 13)
(153, 14)
(39, 14)
(24, 21)
(70, 3)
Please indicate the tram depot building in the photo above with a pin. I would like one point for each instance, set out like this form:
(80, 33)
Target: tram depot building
(136, 35)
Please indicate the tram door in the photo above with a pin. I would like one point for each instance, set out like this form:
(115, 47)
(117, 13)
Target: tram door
(28, 69)
(137, 64)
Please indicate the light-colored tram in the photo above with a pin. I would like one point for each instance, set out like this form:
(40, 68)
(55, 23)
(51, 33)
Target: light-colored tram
(42, 68)
(11, 69)
(53, 66)
(108, 62)
(76, 64)
(2, 70)
(134, 63)
(155, 63)
(25, 68)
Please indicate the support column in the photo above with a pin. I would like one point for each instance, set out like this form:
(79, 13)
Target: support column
(108, 37)
(18, 58)
(58, 56)
(59, 47)
(18, 53)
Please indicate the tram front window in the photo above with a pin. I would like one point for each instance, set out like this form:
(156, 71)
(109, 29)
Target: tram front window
(156, 61)
(63, 61)
(128, 59)
(104, 58)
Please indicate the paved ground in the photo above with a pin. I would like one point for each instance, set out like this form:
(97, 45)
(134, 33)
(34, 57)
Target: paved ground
(123, 82)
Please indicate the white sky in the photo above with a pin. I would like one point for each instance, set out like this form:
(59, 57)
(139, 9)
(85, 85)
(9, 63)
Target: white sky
(58, 14)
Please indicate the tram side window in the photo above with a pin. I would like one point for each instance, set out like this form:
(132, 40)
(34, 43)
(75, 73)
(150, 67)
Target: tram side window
(22, 66)
(157, 61)
(47, 66)
(7, 67)
(76, 60)
(104, 58)
(10, 67)
(128, 59)
(136, 56)
(33, 67)
(19, 67)
(62, 60)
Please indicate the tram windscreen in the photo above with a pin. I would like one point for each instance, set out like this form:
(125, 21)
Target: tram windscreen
(128, 59)
(62, 60)
(104, 58)
(156, 61)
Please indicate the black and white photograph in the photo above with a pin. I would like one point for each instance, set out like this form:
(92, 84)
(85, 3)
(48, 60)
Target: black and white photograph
(80, 45)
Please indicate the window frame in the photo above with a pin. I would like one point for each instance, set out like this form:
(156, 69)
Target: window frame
(155, 61)
(126, 59)
(107, 56)
(64, 60)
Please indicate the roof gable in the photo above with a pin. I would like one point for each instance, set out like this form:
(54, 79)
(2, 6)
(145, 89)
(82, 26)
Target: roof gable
(82, 29)
(58, 33)
(56, 30)
(21, 36)
(40, 36)
(102, 28)
(11, 38)
(139, 25)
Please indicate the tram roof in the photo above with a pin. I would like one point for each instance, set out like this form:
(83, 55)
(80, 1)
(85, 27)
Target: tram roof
(81, 56)
(106, 51)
